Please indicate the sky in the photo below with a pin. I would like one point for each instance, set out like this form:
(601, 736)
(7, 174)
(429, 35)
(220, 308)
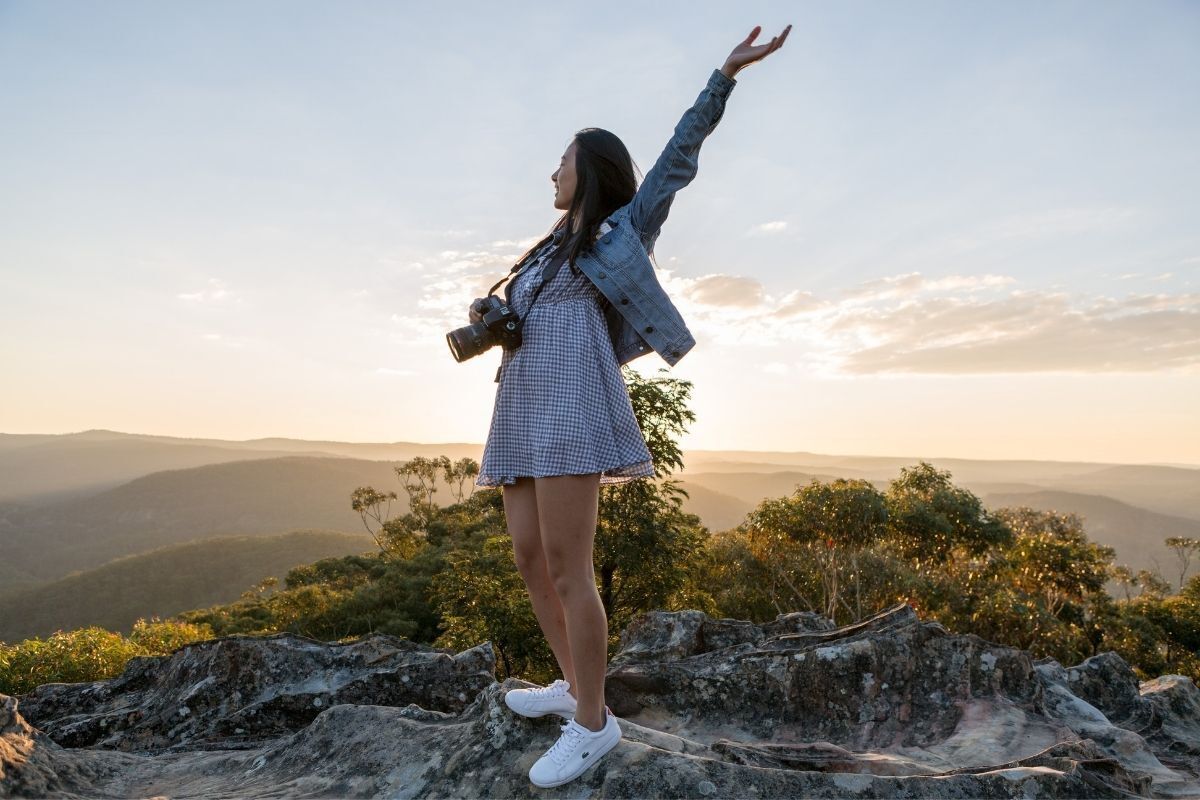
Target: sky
(926, 229)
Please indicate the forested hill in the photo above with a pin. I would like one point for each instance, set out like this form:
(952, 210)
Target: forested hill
(168, 580)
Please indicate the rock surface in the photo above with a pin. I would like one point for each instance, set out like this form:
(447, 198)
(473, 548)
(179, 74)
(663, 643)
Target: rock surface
(890, 707)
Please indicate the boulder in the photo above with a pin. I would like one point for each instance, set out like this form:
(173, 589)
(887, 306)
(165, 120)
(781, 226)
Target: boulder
(890, 707)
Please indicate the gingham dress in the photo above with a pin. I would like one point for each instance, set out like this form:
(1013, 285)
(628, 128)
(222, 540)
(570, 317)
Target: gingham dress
(562, 407)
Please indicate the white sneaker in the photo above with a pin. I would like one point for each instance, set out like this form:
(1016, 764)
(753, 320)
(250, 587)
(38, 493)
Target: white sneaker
(552, 699)
(576, 750)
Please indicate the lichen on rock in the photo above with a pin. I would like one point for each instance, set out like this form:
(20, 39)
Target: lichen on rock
(892, 706)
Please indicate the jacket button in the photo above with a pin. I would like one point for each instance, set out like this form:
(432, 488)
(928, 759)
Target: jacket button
(649, 329)
(601, 275)
(624, 301)
(674, 354)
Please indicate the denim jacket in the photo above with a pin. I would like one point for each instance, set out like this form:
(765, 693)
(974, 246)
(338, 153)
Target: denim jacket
(639, 313)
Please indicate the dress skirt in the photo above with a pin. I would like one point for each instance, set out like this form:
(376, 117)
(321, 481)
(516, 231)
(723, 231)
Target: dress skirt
(562, 407)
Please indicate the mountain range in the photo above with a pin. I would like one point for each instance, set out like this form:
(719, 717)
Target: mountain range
(74, 508)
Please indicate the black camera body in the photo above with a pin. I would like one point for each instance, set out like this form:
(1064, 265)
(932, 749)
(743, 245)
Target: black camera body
(500, 325)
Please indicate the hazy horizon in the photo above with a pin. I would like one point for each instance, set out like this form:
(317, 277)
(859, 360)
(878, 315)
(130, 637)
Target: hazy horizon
(965, 231)
(431, 444)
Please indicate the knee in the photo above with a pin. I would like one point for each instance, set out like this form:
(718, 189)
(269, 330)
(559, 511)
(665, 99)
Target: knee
(530, 561)
(567, 581)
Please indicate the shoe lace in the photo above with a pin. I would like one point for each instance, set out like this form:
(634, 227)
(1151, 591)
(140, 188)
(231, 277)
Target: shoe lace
(566, 744)
(555, 689)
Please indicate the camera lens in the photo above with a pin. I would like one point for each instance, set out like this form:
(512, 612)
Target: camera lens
(469, 341)
(499, 325)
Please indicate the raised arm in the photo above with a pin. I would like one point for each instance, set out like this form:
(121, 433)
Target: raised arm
(677, 164)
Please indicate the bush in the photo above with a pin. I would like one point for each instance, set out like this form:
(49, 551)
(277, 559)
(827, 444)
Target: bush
(88, 654)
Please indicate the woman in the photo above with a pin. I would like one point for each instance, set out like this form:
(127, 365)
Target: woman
(563, 423)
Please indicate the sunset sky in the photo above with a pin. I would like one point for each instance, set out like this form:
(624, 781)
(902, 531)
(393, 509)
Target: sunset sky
(921, 229)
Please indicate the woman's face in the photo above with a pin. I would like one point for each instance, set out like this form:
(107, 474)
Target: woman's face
(564, 179)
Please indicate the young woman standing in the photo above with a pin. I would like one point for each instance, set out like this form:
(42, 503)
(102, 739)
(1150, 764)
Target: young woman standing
(563, 423)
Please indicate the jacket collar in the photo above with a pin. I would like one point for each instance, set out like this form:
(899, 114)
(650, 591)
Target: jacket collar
(607, 225)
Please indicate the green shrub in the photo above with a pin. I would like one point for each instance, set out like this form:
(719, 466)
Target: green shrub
(88, 654)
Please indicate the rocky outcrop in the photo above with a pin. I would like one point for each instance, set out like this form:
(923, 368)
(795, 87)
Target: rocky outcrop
(224, 693)
(891, 707)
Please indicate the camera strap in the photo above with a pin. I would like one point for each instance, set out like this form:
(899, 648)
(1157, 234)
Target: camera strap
(553, 265)
(549, 270)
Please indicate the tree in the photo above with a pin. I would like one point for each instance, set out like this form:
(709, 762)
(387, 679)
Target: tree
(726, 579)
(401, 537)
(644, 542)
(369, 504)
(660, 406)
(929, 517)
(644, 539)
(418, 476)
(1152, 583)
(465, 469)
(1125, 578)
(1184, 548)
(482, 598)
(834, 522)
(1045, 590)
(1051, 556)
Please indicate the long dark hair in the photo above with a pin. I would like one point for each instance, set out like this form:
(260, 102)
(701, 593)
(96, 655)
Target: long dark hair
(605, 179)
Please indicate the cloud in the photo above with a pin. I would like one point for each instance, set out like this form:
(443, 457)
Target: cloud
(423, 299)
(912, 283)
(726, 290)
(399, 267)
(956, 324)
(516, 244)
(1028, 332)
(217, 291)
(445, 233)
(903, 323)
(796, 302)
(718, 291)
(451, 279)
(777, 226)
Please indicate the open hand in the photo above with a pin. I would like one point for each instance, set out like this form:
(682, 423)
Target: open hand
(747, 53)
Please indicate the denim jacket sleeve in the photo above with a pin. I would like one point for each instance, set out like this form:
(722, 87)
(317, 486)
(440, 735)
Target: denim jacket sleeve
(677, 165)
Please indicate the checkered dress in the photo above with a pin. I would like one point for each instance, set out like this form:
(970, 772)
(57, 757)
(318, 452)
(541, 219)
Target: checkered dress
(562, 407)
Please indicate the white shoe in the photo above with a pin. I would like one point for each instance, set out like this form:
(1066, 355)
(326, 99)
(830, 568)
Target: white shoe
(576, 750)
(552, 699)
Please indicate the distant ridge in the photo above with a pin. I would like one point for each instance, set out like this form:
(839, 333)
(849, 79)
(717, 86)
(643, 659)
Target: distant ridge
(167, 580)
(262, 497)
(36, 469)
(105, 494)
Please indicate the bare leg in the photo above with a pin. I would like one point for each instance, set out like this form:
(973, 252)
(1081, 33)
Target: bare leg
(567, 507)
(520, 510)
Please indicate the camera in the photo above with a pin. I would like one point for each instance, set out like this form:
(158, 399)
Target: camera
(500, 325)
